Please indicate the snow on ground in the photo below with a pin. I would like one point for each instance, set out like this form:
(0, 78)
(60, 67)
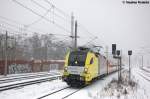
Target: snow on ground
(139, 91)
(146, 69)
(32, 91)
(26, 80)
(91, 91)
(105, 88)
(37, 90)
(121, 89)
(30, 74)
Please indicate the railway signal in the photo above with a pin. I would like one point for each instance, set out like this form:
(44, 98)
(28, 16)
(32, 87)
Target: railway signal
(118, 52)
(129, 53)
(116, 55)
(113, 49)
(119, 65)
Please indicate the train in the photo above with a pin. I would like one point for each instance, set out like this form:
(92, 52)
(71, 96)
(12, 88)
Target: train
(83, 66)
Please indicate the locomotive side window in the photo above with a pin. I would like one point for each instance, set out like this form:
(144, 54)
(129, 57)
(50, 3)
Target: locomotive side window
(91, 61)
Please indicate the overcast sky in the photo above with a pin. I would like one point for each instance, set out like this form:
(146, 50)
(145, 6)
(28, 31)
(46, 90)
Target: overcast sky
(127, 25)
(114, 22)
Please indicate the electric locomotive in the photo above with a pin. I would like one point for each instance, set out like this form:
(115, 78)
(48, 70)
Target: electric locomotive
(84, 65)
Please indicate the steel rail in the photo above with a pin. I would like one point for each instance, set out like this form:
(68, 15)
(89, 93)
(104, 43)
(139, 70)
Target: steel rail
(16, 85)
(24, 78)
(52, 93)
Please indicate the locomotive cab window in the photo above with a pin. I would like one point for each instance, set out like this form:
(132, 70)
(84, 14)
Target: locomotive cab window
(77, 58)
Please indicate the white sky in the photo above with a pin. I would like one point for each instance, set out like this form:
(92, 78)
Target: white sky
(112, 21)
(127, 25)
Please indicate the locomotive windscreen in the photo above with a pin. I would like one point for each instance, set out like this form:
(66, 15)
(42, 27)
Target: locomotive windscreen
(77, 58)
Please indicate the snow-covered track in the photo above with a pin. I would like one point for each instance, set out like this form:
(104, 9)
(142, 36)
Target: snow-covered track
(23, 74)
(146, 70)
(8, 86)
(52, 93)
(64, 92)
(25, 77)
(145, 77)
(71, 93)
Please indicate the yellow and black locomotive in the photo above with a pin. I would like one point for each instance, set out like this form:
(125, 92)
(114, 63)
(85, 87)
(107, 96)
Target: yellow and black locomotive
(83, 66)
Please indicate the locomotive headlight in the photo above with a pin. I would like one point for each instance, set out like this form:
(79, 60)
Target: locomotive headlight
(65, 69)
(85, 70)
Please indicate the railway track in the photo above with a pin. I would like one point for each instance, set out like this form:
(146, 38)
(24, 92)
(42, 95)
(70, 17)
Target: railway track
(28, 82)
(52, 93)
(148, 71)
(25, 77)
(145, 73)
(146, 78)
(67, 91)
(71, 94)
(21, 74)
(25, 74)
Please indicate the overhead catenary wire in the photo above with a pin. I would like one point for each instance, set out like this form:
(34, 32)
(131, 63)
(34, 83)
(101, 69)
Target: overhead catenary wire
(60, 45)
(42, 16)
(34, 12)
(43, 7)
(20, 25)
(91, 40)
(61, 27)
(28, 31)
(6, 28)
(10, 20)
(62, 40)
(86, 30)
(36, 21)
(19, 29)
(59, 16)
(59, 10)
(11, 31)
(54, 44)
(3, 22)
